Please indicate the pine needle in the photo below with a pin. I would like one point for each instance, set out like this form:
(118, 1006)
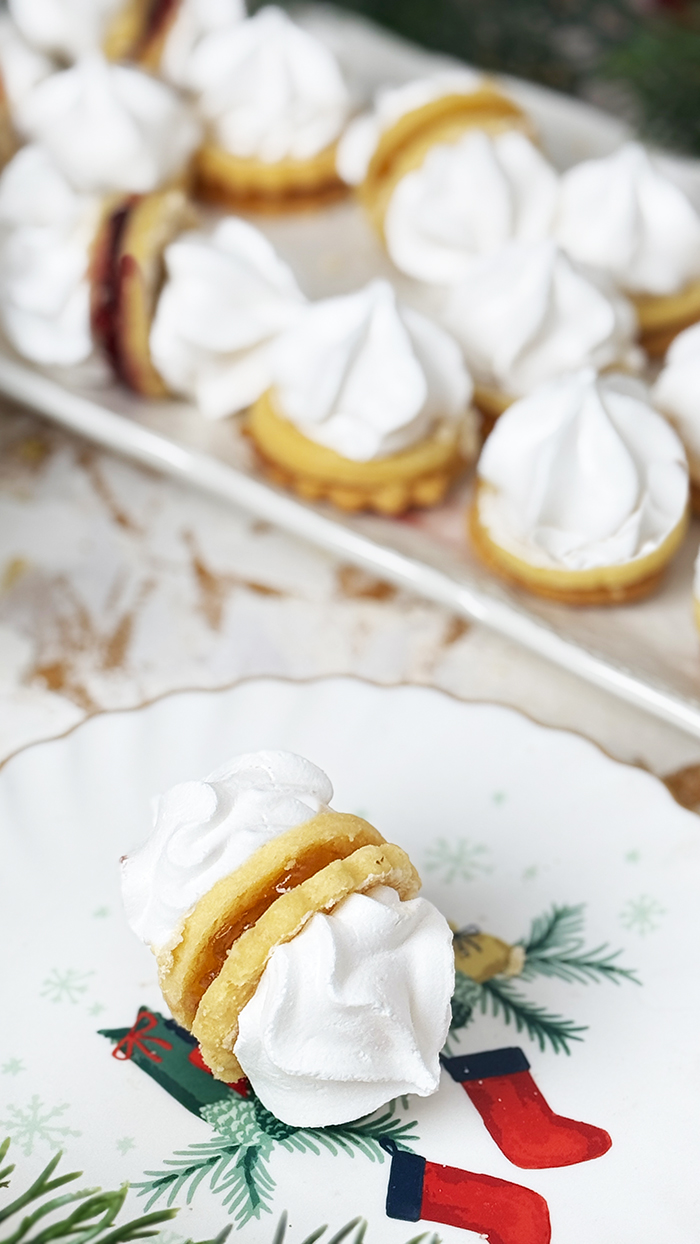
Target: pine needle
(91, 1219)
(555, 947)
(542, 1027)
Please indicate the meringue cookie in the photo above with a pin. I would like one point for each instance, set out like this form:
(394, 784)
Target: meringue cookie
(355, 1007)
(526, 314)
(367, 377)
(65, 28)
(361, 138)
(623, 215)
(194, 20)
(111, 128)
(269, 89)
(352, 1012)
(33, 191)
(582, 473)
(46, 234)
(21, 67)
(206, 829)
(226, 297)
(468, 199)
(677, 389)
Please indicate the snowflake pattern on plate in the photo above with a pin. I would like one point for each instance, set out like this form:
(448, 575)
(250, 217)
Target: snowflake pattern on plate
(12, 1067)
(457, 860)
(642, 915)
(35, 1124)
(65, 986)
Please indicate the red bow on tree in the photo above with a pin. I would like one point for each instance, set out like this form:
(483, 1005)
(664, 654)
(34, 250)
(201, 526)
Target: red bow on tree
(137, 1039)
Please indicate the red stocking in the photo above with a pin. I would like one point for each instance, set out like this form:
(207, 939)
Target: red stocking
(503, 1213)
(516, 1114)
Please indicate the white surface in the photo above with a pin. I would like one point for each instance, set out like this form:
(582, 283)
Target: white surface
(528, 817)
(647, 654)
(118, 584)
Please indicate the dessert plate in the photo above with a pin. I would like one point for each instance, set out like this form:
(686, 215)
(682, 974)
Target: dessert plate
(573, 878)
(647, 653)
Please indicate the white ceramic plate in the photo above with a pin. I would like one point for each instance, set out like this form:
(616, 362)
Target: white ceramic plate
(646, 653)
(506, 820)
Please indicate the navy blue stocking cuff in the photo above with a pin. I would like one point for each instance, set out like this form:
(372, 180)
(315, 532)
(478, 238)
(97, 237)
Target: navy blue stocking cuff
(484, 1066)
(404, 1196)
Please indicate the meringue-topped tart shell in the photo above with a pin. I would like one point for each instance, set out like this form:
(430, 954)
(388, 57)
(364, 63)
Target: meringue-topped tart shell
(616, 584)
(663, 317)
(246, 183)
(126, 276)
(404, 146)
(418, 476)
(235, 902)
(216, 1022)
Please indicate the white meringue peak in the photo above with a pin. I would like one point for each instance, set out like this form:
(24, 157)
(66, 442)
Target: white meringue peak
(352, 1012)
(46, 235)
(467, 199)
(582, 473)
(65, 28)
(366, 376)
(194, 21)
(677, 388)
(21, 67)
(525, 314)
(622, 214)
(111, 127)
(268, 89)
(226, 298)
(204, 830)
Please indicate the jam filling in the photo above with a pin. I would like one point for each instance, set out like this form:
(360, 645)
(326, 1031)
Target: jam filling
(106, 282)
(158, 17)
(220, 944)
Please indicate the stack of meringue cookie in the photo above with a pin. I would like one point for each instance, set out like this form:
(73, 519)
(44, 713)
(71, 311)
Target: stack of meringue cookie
(551, 295)
(291, 941)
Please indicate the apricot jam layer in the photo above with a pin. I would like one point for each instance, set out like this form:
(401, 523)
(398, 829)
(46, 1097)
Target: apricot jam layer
(214, 957)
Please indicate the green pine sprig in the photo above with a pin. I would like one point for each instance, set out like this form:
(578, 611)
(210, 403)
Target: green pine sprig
(555, 947)
(92, 1218)
(660, 67)
(500, 998)
(363, 1137)
(239, 1169)
(555, 929)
